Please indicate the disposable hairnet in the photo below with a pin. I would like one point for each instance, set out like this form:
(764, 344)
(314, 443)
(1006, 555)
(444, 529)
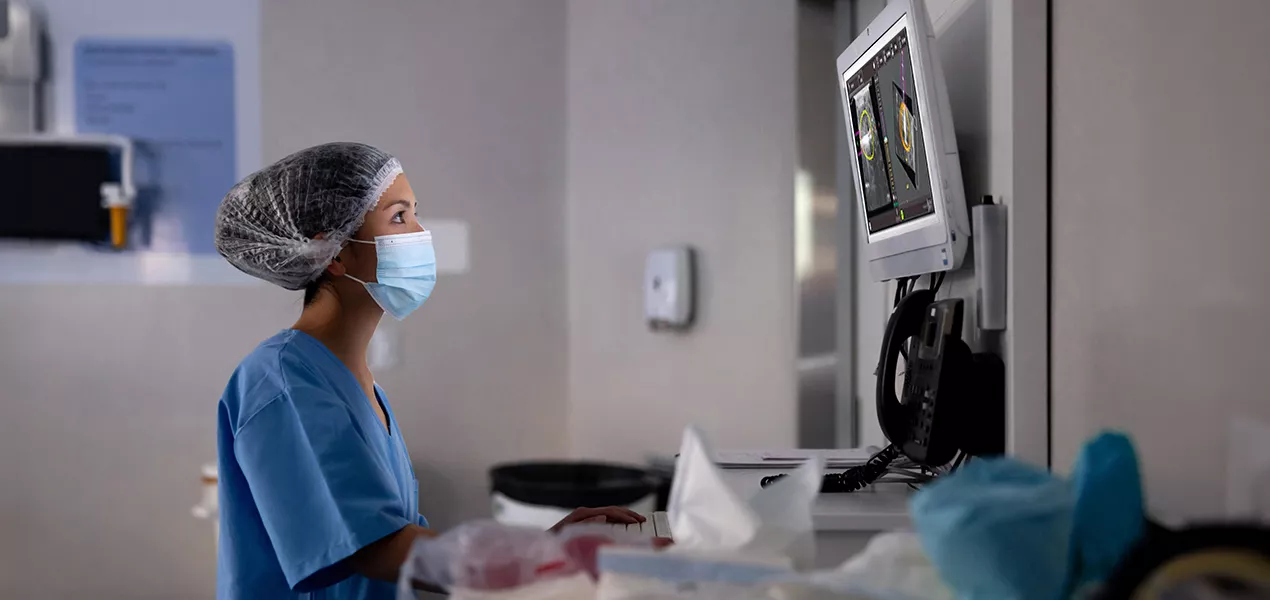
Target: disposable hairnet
(267, 223)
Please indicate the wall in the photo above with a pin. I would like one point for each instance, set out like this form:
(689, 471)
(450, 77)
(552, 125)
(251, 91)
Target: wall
(682, 129)
(109, 392)
(470, 96)
(109, 404)
(1159, 246)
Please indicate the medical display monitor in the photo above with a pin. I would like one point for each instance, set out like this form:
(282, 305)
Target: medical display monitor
(907, 177)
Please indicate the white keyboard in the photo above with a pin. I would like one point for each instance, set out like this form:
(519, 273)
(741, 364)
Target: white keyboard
(657, 525)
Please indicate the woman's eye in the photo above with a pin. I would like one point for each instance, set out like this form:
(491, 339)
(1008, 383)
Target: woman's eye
(400, 217)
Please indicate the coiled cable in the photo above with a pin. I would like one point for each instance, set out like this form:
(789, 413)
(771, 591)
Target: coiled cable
(855, 478)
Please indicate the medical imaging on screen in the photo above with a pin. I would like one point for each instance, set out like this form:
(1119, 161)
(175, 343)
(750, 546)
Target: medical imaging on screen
(887, 117)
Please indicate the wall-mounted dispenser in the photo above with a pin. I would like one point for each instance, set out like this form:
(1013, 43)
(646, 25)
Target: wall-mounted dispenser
(670, 288)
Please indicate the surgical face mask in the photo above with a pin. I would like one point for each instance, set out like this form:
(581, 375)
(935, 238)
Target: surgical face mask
(406, 273)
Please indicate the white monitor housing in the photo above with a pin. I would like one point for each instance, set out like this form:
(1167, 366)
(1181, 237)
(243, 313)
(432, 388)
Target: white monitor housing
(904, 151)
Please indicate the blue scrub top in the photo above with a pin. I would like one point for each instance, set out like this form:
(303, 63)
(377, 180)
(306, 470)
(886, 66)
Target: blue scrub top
(308, 476)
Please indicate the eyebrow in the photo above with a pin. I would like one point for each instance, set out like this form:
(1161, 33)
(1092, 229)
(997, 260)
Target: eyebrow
(401, 201)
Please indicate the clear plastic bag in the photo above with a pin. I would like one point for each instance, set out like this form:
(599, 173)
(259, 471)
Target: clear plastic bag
(893, 566)
(489, 556)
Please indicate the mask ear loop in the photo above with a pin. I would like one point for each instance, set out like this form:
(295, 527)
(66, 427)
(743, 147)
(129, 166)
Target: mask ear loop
(364, 284)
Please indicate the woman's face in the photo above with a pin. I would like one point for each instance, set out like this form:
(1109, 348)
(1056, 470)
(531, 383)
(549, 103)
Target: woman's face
(395, 213)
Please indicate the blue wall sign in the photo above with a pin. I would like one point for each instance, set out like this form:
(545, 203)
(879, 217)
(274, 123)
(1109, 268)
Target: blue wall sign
(175, 99)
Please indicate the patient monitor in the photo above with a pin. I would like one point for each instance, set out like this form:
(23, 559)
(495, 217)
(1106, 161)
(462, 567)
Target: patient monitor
(907, 178)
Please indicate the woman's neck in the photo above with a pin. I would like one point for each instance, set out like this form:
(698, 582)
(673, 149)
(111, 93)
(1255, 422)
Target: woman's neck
(344, 329)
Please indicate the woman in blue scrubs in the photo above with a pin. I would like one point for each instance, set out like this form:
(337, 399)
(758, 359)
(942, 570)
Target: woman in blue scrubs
(318, 498)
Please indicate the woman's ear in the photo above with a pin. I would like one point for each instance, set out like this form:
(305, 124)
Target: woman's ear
(337, 268)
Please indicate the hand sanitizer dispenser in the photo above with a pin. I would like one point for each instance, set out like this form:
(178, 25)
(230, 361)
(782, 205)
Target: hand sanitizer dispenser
(669, 288)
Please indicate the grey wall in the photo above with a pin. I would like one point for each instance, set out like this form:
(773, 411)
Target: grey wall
(109, 407)
(682, 129)
(109, 393)
(1159, 245)
(470, 96)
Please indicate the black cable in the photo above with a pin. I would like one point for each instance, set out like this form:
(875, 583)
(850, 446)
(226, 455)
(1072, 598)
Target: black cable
(904, 287)
(937, 282)
(855, 478)
(961, 456)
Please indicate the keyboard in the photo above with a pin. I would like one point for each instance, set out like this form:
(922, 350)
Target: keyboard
(657, 525)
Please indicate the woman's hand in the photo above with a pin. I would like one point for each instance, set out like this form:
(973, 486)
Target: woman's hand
(608, 514)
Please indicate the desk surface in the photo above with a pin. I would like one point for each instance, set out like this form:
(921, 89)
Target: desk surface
(882, 508)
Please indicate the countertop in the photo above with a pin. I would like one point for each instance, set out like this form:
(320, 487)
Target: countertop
(879, 508)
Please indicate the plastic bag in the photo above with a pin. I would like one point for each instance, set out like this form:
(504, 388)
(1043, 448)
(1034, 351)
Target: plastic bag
(488, 556)
(573, 587)
(892, 567)
(632, 574)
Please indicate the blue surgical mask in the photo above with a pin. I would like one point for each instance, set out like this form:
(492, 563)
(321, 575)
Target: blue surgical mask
(406, 273)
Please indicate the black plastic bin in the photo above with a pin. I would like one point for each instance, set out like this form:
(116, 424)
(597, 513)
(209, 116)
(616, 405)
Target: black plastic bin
(540, 493)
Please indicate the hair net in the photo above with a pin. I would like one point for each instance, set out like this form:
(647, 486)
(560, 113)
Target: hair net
(267, 223)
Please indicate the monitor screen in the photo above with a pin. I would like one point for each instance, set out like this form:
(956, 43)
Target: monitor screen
(886, 118)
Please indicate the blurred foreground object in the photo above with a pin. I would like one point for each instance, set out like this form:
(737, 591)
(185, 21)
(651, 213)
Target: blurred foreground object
(999, 528)
(730, 543)
(708, 515)
(1209, 562)
(477, 558)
